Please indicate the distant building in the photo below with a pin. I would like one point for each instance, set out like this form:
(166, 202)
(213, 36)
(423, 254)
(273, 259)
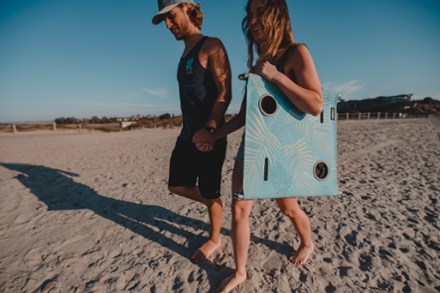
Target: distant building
(380, 104)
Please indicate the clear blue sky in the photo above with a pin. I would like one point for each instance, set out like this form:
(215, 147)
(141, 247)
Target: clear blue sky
(81, 58)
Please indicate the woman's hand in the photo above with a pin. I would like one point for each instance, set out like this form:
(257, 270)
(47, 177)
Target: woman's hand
(203, 140)
(267, 70)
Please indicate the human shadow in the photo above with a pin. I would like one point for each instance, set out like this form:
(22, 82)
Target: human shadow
(57, 189)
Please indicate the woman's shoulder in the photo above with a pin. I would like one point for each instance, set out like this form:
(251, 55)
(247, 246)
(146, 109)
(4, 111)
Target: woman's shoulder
(297, 57)
(297, 47)
(297, 51)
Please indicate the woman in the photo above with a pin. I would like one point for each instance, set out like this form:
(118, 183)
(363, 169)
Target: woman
(289, 66)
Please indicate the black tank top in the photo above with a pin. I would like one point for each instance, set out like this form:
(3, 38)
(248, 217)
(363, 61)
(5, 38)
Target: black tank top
(280, 63)
(198, 92)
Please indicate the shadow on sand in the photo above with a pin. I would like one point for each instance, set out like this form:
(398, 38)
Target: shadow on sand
(59, 191)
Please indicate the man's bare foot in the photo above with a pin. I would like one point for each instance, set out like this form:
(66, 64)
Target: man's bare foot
(205, 251)
(302, 255)
(228, 284)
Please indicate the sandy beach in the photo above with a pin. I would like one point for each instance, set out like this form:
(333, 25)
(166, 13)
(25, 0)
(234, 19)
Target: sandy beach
(90, 212)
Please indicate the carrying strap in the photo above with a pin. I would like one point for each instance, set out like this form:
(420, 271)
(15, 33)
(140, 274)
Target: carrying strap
(280, 63)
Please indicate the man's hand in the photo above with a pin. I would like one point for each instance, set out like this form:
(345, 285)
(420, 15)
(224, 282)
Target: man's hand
(203, 140)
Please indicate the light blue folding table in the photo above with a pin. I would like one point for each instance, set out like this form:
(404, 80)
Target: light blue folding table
(287, 153)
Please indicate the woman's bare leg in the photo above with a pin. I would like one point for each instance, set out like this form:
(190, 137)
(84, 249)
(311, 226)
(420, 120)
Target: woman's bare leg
(301, 222)
(241, 210)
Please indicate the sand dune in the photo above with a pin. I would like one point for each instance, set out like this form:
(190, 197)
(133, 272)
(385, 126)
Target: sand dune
(90, 212)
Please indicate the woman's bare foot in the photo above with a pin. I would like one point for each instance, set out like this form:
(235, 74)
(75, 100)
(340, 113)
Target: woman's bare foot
(205, 251)
(302, 255)
(228, 284)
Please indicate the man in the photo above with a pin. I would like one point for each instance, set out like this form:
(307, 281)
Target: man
(204, 78)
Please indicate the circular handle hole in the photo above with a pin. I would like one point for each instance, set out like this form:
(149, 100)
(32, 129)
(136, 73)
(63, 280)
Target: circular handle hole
(320, 170)
(268, 105)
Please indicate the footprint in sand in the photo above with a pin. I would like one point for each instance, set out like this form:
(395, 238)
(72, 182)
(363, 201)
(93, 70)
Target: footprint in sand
(365, 262)
(351, 238)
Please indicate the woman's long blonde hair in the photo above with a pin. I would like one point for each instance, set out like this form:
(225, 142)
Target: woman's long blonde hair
(278, 31)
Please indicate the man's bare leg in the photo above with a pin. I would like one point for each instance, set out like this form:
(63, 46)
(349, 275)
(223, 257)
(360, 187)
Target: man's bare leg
(215, 211)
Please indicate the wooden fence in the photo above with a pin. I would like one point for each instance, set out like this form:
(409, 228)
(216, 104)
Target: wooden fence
(379, 115)
(14, 128)
(120, 126)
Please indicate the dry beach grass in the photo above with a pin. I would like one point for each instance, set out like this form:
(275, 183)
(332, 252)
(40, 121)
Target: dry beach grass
(90, 212)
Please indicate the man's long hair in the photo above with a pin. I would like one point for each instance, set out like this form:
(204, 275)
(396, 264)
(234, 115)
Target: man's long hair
(277, 30)
(195, 14)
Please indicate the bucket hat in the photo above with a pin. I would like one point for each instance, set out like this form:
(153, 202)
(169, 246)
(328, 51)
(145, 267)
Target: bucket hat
(166, 6)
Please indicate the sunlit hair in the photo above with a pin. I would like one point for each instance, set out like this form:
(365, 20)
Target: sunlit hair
(277, 30)
(195, 14)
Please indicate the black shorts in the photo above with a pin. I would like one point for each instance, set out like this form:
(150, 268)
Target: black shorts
(187, 165)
